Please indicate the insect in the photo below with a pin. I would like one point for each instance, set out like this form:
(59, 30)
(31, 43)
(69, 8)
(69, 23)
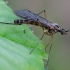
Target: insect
(48, 27)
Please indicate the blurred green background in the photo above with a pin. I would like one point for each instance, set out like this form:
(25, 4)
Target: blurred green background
(58, 11)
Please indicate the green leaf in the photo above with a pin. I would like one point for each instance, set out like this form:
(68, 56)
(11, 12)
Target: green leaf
(15, 44)
(14, 56)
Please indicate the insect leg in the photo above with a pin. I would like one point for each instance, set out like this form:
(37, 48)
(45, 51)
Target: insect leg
(48, 44)
(37, 44)
(40, 38)
(51, 43)
(50, 50)
(44, 13)
(41, 12)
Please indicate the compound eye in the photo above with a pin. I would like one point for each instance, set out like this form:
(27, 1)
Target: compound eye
(57, 26)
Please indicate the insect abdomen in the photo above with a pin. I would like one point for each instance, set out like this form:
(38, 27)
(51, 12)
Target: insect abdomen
(20, 22)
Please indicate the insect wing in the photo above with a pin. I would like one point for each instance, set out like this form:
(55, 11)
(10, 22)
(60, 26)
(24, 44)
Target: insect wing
(26, 14)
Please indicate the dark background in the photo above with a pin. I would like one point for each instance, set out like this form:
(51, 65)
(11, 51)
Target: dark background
(58, 11)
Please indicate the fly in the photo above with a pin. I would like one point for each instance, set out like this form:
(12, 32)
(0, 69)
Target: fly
(48, 27)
